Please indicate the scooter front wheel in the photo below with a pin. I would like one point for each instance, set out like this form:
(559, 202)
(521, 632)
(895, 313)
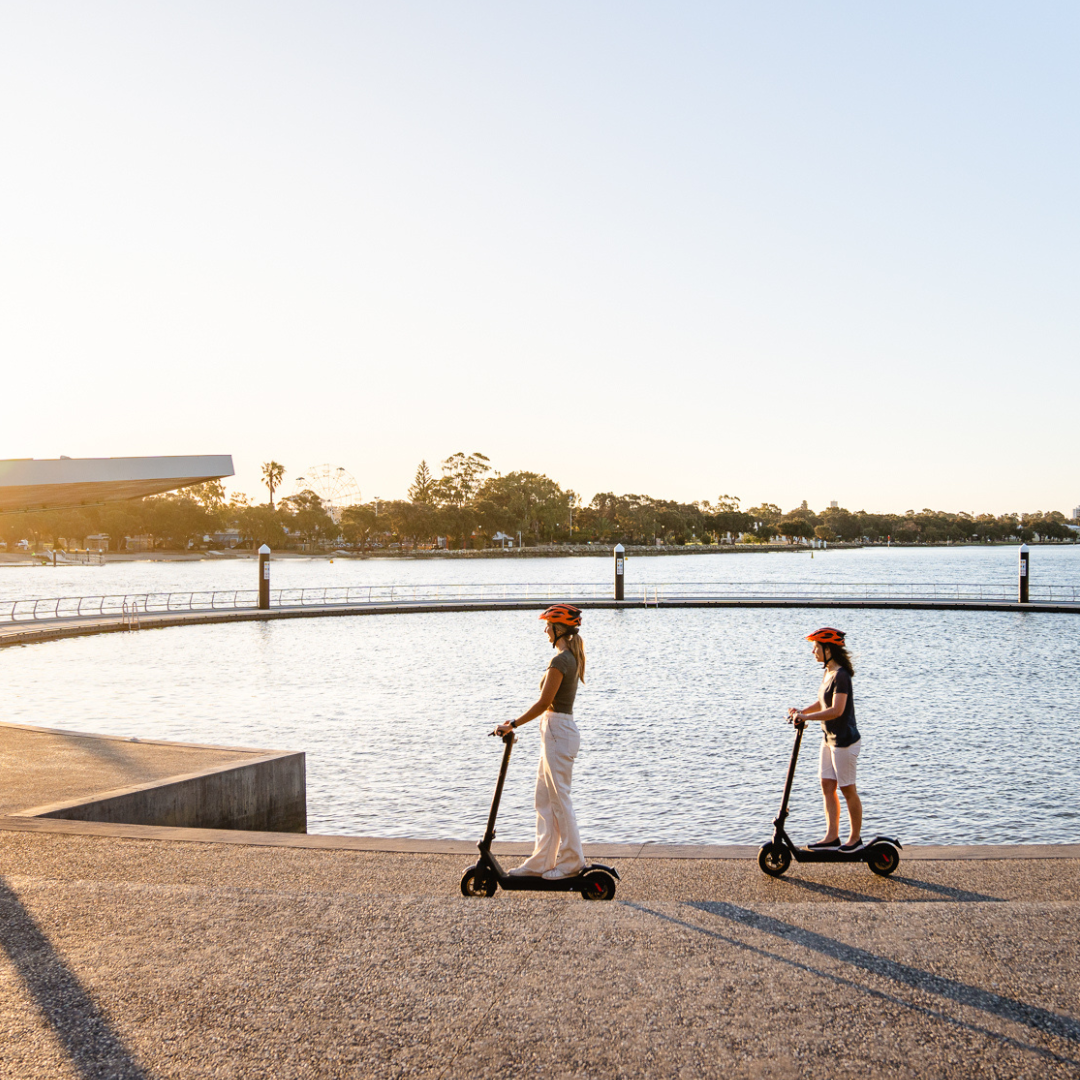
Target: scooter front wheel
(597, 885)
(474, 882)
(774, 859)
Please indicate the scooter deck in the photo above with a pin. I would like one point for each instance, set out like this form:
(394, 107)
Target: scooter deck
(802, 854)
(537, 883)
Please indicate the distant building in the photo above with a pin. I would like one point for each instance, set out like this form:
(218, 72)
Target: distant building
(1076, 513)
(834, 505)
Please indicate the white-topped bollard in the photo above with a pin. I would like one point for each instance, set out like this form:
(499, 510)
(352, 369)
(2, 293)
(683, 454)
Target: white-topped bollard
(1023, 573)
(620, 571)
(264, 578)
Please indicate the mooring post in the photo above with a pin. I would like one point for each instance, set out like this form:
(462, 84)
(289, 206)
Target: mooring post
(620, 570)
(1023, 573)
(264, 578)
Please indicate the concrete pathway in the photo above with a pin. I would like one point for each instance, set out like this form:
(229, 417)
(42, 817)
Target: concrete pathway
(124, 957)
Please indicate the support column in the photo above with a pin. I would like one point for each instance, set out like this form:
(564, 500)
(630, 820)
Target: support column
(620, 570)
(1023, 573)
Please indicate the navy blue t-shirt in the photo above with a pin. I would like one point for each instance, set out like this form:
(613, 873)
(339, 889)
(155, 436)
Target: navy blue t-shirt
(841, 731)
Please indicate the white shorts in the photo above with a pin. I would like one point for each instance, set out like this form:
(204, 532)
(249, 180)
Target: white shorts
(838, 763)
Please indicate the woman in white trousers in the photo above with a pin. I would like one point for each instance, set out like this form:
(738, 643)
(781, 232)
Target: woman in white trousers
(557, 852)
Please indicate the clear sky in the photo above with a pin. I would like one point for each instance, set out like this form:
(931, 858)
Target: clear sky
(784, 251)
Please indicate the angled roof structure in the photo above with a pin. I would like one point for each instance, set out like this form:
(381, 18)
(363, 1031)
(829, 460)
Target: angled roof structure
(54, 483)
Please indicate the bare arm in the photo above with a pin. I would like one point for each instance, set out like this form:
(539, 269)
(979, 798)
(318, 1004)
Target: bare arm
(817, 711)
(552, 682)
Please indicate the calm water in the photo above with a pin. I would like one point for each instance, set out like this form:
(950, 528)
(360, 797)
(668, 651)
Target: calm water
(968, 720)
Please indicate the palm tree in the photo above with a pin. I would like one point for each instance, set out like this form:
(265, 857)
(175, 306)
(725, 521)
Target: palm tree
(272, 473)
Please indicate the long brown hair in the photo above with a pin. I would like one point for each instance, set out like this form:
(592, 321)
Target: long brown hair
(840, 655)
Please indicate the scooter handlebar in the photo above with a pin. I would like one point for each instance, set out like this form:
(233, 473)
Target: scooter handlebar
(508, 737)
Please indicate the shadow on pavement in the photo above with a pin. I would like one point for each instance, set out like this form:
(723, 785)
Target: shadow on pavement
(95, 1049)
(944, 892)
(832, 890)
(947, 892)
(1062, 1027)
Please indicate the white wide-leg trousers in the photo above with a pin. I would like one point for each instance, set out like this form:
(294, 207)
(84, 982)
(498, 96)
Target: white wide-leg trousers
(558, 844)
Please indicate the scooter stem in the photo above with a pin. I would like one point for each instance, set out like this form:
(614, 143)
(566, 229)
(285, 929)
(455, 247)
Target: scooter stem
(489, 835)
(799, 728)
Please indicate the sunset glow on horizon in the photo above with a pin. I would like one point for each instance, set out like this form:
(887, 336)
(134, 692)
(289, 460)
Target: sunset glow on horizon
(797, 253)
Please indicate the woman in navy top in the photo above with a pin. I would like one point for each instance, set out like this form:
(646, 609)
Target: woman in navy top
(840, 744)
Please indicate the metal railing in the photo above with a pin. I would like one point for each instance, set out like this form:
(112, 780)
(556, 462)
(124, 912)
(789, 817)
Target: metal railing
(130, 606)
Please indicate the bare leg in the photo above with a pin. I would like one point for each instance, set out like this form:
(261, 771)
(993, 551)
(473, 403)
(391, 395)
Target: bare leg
(832, 809)
(854, 810)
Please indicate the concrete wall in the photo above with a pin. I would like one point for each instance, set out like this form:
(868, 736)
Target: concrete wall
(267, 794)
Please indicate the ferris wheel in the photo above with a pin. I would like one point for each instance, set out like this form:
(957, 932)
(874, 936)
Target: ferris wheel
(334, 485)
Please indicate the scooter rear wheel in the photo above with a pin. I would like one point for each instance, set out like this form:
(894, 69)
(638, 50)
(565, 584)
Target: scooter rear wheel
(883, 859)
(774, 859)
(597, 885)
(474, 882)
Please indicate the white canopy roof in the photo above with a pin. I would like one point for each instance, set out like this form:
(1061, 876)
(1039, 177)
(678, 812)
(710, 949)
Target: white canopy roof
(52, 483)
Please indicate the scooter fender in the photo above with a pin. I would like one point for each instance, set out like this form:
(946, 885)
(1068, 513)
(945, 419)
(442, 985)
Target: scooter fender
(601, 866)
(883, 840)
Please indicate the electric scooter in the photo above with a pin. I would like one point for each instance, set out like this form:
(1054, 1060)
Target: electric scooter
(594, 882)
(882, 854)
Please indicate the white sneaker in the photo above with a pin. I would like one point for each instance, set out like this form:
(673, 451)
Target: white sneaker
(558, 875)
(522, 871)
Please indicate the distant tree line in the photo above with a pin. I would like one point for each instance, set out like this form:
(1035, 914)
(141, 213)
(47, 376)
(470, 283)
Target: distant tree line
(472, 505)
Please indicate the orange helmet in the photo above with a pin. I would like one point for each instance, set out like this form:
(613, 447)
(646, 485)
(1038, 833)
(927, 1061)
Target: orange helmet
(827, 636)
(563, 614)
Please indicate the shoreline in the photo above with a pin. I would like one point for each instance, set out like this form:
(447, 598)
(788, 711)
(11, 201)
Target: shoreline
(562, 551)
(559, 551)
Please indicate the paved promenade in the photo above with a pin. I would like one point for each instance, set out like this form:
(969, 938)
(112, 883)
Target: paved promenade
(127, 957)
(140, 952)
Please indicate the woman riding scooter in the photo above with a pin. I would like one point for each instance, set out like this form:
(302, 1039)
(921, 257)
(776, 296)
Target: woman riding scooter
(841, 742)
(557, 852)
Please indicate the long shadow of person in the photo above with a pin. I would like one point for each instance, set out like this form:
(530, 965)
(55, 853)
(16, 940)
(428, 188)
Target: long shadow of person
(915, 891)
(94, 1048)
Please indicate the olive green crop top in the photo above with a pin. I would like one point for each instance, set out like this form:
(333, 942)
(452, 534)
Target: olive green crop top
(566, 663)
